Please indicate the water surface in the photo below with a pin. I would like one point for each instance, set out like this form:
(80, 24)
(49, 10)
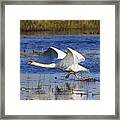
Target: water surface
(44, 83)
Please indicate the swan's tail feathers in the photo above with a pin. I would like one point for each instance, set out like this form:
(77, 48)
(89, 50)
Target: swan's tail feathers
(41, 65)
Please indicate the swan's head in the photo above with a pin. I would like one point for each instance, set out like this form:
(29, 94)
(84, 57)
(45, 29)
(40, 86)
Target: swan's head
(31, 62)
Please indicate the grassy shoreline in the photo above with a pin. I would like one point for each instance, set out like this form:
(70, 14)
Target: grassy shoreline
(59, 35)
(60, 27)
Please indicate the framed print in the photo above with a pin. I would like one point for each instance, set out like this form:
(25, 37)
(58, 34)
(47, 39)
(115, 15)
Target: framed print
(59, 59)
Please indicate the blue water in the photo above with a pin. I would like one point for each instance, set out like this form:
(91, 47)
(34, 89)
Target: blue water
(88, 46)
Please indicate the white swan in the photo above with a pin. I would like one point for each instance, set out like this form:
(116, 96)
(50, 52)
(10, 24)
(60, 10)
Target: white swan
(69, 61)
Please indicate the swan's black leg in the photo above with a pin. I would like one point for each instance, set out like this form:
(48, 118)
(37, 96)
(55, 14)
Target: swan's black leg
(67, 76)
(79, 77)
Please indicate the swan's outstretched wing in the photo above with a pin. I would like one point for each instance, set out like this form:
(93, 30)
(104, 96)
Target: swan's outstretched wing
(77, 57)
(71, 58)
(54, 53)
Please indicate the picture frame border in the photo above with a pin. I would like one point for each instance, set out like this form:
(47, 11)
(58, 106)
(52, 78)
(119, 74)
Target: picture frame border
(55, 2)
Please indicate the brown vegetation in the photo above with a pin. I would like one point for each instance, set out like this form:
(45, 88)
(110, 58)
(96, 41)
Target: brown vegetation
(60, 27)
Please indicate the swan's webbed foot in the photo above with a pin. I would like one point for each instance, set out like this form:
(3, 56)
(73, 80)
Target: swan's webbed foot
(67, 76)
(82, 79)
(78, 76)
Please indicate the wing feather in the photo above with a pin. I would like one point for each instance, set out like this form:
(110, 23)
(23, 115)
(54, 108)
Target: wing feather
(54, 53)
(71, 58)
(77, 57)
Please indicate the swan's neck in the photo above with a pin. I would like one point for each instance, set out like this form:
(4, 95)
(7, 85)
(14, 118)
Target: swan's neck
(44, 65)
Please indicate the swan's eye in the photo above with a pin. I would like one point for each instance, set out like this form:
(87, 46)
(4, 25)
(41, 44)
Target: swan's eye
(29, 62)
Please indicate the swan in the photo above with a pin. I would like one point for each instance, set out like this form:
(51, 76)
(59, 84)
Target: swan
(68, 62)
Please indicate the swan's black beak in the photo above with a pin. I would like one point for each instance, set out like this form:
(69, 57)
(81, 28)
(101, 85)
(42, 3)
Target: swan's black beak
(29, 62)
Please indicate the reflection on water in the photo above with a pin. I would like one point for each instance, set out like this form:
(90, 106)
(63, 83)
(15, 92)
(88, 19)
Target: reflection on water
(45, 83)
(49, 87)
